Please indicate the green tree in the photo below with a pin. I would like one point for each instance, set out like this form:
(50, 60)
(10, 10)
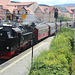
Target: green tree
(60, 7)
(63, 18)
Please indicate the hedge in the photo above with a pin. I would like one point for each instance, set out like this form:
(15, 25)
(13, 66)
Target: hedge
(56, 61)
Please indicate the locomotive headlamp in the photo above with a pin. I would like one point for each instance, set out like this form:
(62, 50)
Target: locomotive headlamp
(7, 47)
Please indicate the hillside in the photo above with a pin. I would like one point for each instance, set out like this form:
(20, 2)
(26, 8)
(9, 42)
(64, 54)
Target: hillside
(14, 2)
(44, 5)
(66, 5)
(62, 5)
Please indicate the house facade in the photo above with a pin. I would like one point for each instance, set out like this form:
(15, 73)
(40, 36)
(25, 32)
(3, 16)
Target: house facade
(68, 12)
(47, 13)
(39, 14)
(51, 14)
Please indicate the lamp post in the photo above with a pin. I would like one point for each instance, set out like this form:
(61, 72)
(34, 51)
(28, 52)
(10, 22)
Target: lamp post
(32, 49)
(32, 40)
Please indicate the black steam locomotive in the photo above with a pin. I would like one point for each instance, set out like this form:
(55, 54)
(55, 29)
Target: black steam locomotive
(12, 40)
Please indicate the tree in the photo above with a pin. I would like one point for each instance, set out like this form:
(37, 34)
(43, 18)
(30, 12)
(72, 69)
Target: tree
(60, 7)
(63, 18)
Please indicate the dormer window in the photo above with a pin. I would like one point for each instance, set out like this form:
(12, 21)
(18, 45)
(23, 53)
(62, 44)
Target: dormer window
(1, 6)
(45, 10)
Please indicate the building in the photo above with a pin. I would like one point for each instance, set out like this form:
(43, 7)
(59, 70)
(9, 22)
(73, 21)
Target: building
(2, 13)
(51, 14)
(4, 9)
(32, 10)
(18, 14)
(47, 14)
(68, 12)
(28, 6)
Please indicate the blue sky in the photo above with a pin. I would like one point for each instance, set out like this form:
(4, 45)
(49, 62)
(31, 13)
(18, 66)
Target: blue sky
(49, 2)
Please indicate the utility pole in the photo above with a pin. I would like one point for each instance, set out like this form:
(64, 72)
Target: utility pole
(60, 25)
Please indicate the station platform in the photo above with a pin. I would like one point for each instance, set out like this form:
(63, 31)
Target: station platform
(20, 64)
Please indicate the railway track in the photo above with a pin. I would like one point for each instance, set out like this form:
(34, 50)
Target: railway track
(2, 61)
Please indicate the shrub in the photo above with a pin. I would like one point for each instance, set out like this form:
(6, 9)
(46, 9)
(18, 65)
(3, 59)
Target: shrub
(58, 60)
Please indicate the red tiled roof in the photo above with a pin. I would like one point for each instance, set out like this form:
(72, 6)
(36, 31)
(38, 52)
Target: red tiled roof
(72, 7)
(45, 9)
(18, 8)
(11, 6)
(21, 3)
(69, 9)
(51, 8)
(26, 8)
(4, 1)
(11, 9)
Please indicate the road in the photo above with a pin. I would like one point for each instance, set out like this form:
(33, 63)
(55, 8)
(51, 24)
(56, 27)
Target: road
(21, 64)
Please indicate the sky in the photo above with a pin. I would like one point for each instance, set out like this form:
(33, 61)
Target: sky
(48, 2)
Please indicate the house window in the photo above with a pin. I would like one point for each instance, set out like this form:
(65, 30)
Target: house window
(74, 15)
(71, 15)
(13, 12)
(0, 7)
(28, 12)
(16, 12)
(20, 12)
(1, 12)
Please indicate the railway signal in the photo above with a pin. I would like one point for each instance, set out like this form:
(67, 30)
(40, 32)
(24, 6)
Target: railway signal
(32, 41)
(56, 16)
(56, 13)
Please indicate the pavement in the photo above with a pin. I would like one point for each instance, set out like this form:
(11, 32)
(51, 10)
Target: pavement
(20, 64)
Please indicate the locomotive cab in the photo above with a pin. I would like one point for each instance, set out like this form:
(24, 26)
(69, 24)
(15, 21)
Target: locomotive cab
(8, 42)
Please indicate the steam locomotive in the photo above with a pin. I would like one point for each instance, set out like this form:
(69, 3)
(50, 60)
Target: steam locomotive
(15, 39)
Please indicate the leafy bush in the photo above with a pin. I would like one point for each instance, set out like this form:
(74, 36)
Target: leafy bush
(58, 60)
(68, 33)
